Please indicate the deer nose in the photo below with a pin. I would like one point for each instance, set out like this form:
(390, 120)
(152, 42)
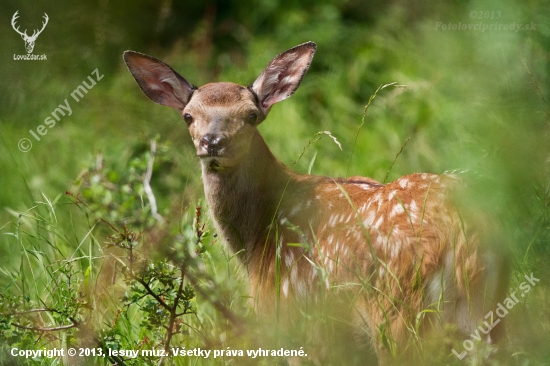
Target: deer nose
(212, 143)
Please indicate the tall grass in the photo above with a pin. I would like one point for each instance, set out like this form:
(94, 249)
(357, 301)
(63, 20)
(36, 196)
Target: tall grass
(473, 101)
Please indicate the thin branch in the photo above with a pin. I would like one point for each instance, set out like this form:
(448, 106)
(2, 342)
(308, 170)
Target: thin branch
(365, 115)
(110, 225)
(185, 312)
(147, 187)
(537, 88)
(32, 311)
(152, 293)
(38, 329)
(394, 160)
(173, 316)
(316, 138)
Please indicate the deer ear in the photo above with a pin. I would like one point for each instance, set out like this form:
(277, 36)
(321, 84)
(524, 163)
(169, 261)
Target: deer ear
(283, 75)
(158, 81)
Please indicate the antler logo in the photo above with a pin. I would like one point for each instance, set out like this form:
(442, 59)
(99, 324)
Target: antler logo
(29, 40)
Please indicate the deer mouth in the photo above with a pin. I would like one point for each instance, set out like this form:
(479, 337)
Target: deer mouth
(214, 164)
(211, 161)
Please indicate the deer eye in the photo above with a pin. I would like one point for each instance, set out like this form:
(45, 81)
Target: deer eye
(188, 118)
(252, 117)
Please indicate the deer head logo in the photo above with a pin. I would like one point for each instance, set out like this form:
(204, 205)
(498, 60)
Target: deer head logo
(29, 40)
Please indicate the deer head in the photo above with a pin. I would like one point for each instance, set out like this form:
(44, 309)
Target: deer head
(29, 40)
(222, 117)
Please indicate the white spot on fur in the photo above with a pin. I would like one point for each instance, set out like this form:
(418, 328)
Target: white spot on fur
(280, 244)
(403, 183)
(379, 222)
(285, 287)
(295, 209)
(378, 199)
(396, 210)
(289, 258)
(301, 288)
(414, 217)
(395, 248)
(370, 218)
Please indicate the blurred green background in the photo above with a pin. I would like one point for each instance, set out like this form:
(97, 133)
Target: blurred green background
(471, 99)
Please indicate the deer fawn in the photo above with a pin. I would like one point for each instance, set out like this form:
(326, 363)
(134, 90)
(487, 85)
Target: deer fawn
(396, 248)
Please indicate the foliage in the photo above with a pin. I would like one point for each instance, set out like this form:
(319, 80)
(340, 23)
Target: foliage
(159, 293)
(470, 100)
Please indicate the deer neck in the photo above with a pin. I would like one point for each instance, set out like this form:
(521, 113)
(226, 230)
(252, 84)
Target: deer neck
(243, 200)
